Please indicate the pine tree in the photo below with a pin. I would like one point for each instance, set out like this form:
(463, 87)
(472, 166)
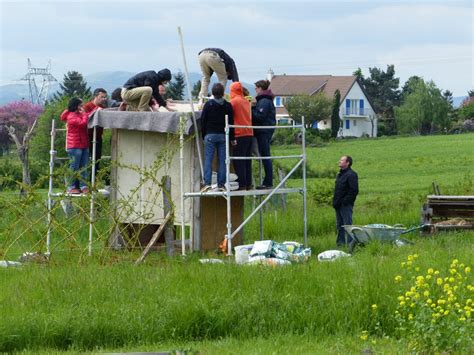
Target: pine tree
(73, 85)
(175, 89)
(196, 89)
(335, 119)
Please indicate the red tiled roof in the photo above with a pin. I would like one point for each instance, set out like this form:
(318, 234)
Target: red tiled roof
(281, 111)
(290, 85)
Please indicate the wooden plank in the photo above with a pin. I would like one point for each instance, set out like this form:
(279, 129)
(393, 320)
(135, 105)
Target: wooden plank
(449, 197)
(167, 209)
(154, 239)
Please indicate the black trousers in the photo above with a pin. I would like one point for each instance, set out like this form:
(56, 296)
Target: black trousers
(243, 168)
(264, 139)
(98, 156)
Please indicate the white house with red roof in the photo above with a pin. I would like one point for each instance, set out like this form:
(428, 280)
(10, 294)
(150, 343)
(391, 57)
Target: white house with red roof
(356, 112)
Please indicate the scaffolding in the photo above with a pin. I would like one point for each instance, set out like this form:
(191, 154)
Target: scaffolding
(278, 189)
(263, 196)
(53, 195)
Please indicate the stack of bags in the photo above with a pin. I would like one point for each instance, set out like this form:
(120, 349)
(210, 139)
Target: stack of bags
(269, 252)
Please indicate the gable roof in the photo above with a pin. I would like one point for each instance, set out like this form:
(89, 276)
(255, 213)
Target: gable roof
(290, 85)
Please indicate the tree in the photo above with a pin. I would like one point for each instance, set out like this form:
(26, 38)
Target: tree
(196, 89)
(313, 108)
(73, 85)
(41, 141)
(382, 89)
(335, 119)
(175, 89)
(20, 119)
(409, 86)
(423, 111)
(359, 75)
(467, 111)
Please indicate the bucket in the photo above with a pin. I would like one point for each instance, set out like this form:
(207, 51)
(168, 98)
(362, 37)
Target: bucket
(242, 253)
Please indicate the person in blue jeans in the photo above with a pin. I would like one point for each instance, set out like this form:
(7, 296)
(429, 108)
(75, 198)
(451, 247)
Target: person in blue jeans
(264, 114)
(213, 131)
(77, 145)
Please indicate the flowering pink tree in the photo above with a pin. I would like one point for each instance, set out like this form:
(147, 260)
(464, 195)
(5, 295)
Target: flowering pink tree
(18, 119)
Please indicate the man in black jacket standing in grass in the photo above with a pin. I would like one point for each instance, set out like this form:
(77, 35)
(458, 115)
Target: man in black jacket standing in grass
(345, 193)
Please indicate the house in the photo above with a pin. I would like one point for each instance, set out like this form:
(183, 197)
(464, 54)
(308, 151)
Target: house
(356, 113)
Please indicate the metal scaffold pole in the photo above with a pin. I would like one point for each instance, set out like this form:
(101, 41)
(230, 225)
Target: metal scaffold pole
(52, 155)
(93, 188)
(227, 186)
(303, 146)
(181, 182)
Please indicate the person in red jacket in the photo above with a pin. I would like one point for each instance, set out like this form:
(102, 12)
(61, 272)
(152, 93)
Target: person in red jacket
(77, 145)
(243, 136)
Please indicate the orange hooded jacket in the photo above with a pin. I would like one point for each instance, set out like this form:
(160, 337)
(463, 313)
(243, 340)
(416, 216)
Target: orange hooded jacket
(242, 110)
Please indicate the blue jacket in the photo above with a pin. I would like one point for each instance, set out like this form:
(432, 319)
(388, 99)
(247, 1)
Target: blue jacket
(264, 113)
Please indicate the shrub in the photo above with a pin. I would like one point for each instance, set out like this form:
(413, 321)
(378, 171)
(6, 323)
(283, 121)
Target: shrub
(434, 308)
(321, 191)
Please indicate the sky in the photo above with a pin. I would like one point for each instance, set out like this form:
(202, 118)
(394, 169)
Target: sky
(431, 39)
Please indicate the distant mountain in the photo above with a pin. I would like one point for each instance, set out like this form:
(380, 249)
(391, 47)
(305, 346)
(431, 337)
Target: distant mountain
(457, 101)
(107, 80)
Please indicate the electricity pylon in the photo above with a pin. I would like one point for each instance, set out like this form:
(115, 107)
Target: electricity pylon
(38, 95)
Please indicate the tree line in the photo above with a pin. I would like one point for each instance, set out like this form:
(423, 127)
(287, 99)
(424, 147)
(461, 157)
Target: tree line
(418, 107)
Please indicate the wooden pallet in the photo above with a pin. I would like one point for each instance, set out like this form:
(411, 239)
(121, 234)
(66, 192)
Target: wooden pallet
(439, 209)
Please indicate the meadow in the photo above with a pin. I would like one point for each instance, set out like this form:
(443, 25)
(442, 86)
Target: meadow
(104, 303)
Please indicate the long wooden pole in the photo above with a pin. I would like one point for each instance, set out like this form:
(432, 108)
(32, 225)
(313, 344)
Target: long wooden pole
(196, 129)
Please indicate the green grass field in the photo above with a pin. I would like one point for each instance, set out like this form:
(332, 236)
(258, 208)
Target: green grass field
(104, 303)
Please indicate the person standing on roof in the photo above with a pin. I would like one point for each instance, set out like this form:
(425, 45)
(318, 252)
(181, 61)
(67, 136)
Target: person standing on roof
(243, 136)
(264, 114)
(215, 60)
(141, 91)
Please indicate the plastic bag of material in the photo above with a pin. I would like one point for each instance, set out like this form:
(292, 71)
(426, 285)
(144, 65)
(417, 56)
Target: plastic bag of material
(331, 255)
(262, 247)
(242, 253)
(8, 263)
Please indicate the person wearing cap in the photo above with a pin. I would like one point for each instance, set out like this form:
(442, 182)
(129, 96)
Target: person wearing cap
(215, 60)
(141, 91)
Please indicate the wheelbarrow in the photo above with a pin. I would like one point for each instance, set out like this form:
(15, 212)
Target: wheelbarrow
(383, 233)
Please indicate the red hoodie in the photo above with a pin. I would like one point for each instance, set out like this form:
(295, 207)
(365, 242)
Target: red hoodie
(242, 111)
(76, 129)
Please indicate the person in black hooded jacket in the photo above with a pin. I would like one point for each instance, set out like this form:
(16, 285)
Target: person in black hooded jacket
(345, 193)
(142, 90)
(264, 114)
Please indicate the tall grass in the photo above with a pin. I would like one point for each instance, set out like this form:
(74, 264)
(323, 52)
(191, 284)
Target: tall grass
(104, 302)
(93, 306)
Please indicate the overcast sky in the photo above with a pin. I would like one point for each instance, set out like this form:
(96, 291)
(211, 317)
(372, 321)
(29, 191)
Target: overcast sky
(432, 39)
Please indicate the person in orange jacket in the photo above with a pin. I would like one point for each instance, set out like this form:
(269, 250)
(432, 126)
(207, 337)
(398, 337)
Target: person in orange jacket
(243, 136)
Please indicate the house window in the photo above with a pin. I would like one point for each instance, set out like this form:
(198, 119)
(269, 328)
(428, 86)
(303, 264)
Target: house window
(354, 107)
(354, 123)
(277, 101)
(348, 124)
